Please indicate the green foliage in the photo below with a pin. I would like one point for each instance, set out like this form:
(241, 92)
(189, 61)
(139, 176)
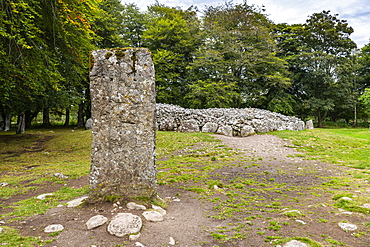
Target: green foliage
(365, 99)
(172, 36)
(236, 65)
(319, 53)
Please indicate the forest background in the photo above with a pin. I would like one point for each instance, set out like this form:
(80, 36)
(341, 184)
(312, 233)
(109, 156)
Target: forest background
(230, 55)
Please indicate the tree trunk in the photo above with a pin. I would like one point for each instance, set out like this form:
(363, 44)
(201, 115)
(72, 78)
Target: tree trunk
(80, 115)
(355, 117)
(321, 117)
(29, 115)
(21, 123)
(8, 119)
(66, 123)
(45, 117)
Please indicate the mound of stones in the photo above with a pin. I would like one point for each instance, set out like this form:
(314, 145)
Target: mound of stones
(225, 121)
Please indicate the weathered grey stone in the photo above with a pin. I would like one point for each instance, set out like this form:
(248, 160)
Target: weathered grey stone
(172, 241)
(247, 131)
(54, 228)
(162, 211)
(60, 175)
(123, 224)
(225, 130)
(76, 202)
(347, 226)
(88, 124)
(123, 112)
(295, 243)
(134, 237)
(153, 216)
(190, 125)
(309, 125)
(95, 221)
(134, 206)
(167, 125)
(43, 196)
(210, 127)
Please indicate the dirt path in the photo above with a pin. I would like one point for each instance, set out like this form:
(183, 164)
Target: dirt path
(297, 187)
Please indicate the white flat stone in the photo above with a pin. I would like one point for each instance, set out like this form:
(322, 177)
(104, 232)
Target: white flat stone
(153, 216)
(124, 223)
(134, 206)
(76, 202)
(95, 221)
(54, 228)
(134, 237)
(295, 243)
(347, 226)
(162, 211)
(43, 196)
(345, 198)
(172, 241)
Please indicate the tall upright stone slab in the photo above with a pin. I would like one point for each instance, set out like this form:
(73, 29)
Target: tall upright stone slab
(123, 112)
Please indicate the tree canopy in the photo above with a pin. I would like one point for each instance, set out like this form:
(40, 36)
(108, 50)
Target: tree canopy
(230, 55)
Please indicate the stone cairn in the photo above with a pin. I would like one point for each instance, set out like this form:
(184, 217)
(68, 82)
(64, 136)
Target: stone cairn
(225, 121)
(123, 112)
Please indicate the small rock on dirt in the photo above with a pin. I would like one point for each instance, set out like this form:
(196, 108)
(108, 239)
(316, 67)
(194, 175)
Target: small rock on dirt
(76, 202)
(54, 228)
(60, 175)
(295, 243)
(95, 221)
(153, 216)
(162, 211)
(134, 237)
(347, 226)
(43, 196)
(172, 241)
(134, 206)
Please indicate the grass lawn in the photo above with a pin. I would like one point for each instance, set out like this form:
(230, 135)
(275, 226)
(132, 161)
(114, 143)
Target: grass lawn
(194, 161)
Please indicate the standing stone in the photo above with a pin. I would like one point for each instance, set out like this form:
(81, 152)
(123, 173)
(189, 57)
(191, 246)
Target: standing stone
(309, 125)
(123, 112)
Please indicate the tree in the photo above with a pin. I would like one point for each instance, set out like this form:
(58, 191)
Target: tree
(44, 46)
(108, 24)
(133, 25)
(324, 48)
(172, 36)
(238, 59)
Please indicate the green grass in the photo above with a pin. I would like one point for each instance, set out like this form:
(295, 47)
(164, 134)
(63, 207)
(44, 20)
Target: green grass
(347, 146)
(199, 163)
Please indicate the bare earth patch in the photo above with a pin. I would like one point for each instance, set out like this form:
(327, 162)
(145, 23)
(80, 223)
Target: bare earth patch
(280, 182)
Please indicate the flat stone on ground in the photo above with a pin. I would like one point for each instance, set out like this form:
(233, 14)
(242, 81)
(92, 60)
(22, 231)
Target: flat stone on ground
(54, 228)
(76, 202)
(153, 216)
(96, 221)
(123, 224)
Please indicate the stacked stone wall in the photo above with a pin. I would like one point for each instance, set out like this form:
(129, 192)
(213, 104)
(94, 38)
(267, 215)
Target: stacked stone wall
(226, 121)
